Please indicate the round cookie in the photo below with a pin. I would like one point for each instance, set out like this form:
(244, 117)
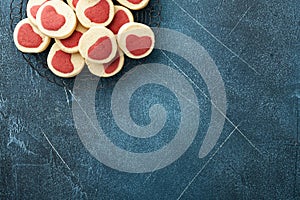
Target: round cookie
(136, 40)
(134, 4)
(64, 64)
(73, 3)
(98, 45)
(56, 19)
(108, 69)
(121, 17)
(29, 39)
(95, 12)
(70, 44)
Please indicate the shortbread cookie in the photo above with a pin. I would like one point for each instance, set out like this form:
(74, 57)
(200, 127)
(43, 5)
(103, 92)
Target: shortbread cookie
(56, 19)
(98, 45)
(136, 40)
(70, 44)
(64, 64)
(108, 69)
(121, 17)
(95, 12)
(29, 39)
(134, 4)
(73, 3)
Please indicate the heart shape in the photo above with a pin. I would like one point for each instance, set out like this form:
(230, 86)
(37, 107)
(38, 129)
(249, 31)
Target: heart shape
(28, 38)
(138, 45)
(51, 20)
(101, 49)
(74, 2)
(135, 1)
(34, 10)
(61, 61)
(98, 13)
(112, 66)
(119, 20)
(73, 40)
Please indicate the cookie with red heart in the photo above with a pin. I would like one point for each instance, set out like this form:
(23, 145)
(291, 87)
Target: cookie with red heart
(134, 4)
(32, 9)
(56, 19)
(29, 39)
(70, 44)
(136, 40)
(64, 64)
(95, 12)
(98, 45)
(73, 3)
(107, 69)
(121, 17)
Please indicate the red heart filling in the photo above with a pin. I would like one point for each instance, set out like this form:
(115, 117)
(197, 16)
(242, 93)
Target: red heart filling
(61, 61)
(135, 1)
(138, 45)
(51, 20)
(119, 20)
(28, 38)
(112, 66)
(101, 49)
(33, 10)
(74, 2)
(98, 13)
(73, 40)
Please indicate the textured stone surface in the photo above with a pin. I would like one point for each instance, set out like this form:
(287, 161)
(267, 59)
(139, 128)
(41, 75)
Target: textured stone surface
(255, 45)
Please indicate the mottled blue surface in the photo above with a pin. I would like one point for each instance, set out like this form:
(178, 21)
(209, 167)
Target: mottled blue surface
(256, 47)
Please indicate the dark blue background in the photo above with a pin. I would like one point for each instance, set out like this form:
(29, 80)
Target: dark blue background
(261, 163)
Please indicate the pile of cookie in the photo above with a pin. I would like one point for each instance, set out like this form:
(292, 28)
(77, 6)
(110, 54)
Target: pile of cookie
(92, 32)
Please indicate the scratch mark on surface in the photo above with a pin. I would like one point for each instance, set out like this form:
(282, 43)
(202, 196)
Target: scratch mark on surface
(19, 143)
(245, 13)
(213, 36)
(55, 150)
(67, 97)
(206, 163)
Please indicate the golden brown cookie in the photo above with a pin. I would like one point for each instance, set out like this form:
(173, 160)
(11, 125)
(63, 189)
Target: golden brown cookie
(29, 39)
(64, 64)
(136, 40)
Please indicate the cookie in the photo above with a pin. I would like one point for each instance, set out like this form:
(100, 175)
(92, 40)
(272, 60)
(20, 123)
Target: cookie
(98, 45)
(70, 44)
(95, 12)
(73, 3)
(64, 64)
(56, 19)
(121, 17)
(134, 4)
(108, 69)
(136, 40)
(29, 39)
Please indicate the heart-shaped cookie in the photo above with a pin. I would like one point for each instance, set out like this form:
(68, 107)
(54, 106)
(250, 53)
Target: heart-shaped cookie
(134, 4)
(95, 12)
(28, 38)
(136, 40)
(64, 64)
(121, 17)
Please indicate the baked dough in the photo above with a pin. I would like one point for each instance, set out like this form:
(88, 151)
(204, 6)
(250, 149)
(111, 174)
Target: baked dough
(136, 40)
(134, 4)
(29, 39)
(70, 44)
(109, 69)
(121, 17)
(73, 3)
(98, 45)
(95, 12)
(64, 64)
(56, 19)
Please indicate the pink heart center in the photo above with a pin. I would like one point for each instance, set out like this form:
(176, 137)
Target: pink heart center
(98, 13)
(51, 20)
(101, 49)
(28, 38)
(61, 61)
(112, 66)
(138, 45)
(74, 2)
(73, 40)
(33, 10)
(135, 1)
(119, 20)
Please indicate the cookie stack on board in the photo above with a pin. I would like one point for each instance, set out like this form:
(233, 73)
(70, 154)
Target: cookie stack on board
(92, 32)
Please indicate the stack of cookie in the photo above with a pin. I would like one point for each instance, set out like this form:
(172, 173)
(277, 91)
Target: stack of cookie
(92, 32)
